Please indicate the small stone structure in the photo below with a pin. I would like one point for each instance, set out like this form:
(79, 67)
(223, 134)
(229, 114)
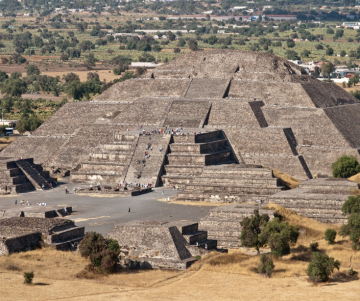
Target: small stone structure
(24, 233)
(22, 175)
(223, 223)
(161, 244)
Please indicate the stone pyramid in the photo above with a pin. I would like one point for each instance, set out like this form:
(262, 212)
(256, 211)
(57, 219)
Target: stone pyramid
(271, 112)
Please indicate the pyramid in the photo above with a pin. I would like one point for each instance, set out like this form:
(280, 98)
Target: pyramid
(270, 111)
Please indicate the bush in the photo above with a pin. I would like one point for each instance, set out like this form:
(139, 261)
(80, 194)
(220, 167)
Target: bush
(352, 205)
(345, 167)
(330, 235)
(352, 228)
(321, 267)
(103, 253)
(266, 265)
(28, 277)
(251, 229)
(278, 236)
(314, 246)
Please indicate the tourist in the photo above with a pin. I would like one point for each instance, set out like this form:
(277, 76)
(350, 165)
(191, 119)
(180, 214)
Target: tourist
(15, 202)
(43, 187)
(129, 209)
(65, 210)
(206, 246)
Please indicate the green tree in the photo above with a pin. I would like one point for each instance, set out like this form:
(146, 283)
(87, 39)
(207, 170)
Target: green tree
(327, 68)
(90, 61)
(352, 229)
(342, 53)
(251, 228)
(292, 55)
(329, 51)
(321, 267)
(305, 53)
(28, 277)
(32, 70)
(212, 40)
(193, 45)
(71, 77)
(290, 43)
(13, 87)
(330, 235)
(181, 42)
(278, 236)
(3, 76)
(352, 205)
(266, 265)
(345, 167)
(103, 253)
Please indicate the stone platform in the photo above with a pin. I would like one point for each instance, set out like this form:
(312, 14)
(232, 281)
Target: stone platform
(320, 199)
(224, 223)
(25, 233)
(160, 244)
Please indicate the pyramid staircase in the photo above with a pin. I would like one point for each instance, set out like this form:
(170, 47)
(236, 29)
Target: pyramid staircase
(109, 163)
(204, 167)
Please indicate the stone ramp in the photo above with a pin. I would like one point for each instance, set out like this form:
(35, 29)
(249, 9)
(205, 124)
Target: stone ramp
(207, 88)
(148, 170)
(34, 177)
(187, 114)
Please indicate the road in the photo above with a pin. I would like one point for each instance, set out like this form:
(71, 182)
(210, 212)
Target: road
(100, 214)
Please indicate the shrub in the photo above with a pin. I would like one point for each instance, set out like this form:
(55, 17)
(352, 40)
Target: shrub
(103, 253)
(352, 205)
(266, 265)
(278, 236)
(314, 246)
(345, 167)
(251, 229)
(28, 277)
(352, 228)
(321, 267)
(330, 235)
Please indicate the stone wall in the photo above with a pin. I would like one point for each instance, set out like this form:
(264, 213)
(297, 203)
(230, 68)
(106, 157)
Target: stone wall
(19, 243)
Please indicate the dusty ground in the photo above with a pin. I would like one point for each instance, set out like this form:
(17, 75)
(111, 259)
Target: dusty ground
(216, 276)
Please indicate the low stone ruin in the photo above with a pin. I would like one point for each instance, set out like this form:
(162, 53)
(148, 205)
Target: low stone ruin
(223, 223)
(320, 199)
(161, 244)
(22, 175)
(25, 233)
(117, 190)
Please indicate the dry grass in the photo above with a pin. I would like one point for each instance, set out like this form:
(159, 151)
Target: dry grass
(355, 178)
(286, 179)
(215, 277)
(5, 142)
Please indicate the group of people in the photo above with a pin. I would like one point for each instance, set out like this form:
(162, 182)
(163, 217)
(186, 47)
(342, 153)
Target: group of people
(23, 203)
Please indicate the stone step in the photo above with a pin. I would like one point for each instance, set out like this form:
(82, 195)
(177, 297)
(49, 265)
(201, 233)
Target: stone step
(199, 159)
(215, 179)
(69, 244)
(199, 138)
(215, 234)
(194, 237)
(237, 170)
(229, 243)
(208, 244)
(235, 190)
(124, 146)
(221, 197)
(198, 148)
(185, 170)
(65, 235)
(175, 180)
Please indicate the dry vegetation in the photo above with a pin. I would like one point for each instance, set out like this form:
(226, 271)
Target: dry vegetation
(286, 179)
(215, 277)
(4, 142)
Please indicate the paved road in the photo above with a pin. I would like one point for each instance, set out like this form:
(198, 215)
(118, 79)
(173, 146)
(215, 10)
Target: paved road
(102, 213)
